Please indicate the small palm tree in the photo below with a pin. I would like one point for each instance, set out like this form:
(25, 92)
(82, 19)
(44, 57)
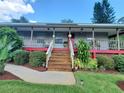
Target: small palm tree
(5, 51)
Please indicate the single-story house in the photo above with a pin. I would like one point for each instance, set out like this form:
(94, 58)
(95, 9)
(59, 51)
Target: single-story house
(103, 38)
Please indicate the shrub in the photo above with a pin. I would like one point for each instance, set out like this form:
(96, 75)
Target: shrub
(83, 51)
(119, 62)
(21, 57)
(77, 63)
(37, 58)
(106, 62)
(92, 64)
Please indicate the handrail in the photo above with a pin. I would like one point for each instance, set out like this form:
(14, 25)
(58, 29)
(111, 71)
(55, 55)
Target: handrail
(49, 51)
(71, 52)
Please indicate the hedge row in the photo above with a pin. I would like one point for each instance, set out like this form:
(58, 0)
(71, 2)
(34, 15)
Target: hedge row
(115, 62)
(119, 62)
(105, 62)
(35, 58)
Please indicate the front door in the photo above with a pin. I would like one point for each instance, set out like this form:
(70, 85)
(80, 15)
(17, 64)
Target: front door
(60, 40)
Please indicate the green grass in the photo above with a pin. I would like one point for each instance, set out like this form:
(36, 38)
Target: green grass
(99, 83)
(93, 83)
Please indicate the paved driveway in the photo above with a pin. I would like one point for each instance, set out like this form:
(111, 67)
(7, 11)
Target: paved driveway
(48, 77)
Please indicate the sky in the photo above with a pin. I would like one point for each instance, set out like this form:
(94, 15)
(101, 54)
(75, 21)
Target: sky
(53, 11)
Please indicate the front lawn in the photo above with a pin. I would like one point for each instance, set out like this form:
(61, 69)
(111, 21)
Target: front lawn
(93, 83)
(99, 82)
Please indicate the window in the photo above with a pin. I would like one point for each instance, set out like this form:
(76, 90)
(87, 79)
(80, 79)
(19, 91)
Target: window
(40, 41)
(58, 41)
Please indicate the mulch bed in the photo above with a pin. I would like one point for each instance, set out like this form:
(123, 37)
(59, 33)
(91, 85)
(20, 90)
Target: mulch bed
(41, 69)
(121, 85)
(8, 76)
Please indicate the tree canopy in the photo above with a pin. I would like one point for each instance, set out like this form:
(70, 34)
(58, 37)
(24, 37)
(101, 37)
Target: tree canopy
(11, 36)
(21, 20)
(103, 12)
(66, 21)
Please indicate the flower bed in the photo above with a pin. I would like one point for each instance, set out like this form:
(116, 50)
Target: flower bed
(121, 85)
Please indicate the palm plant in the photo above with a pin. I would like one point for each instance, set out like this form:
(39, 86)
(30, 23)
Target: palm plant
(9, 42)
(5, 48)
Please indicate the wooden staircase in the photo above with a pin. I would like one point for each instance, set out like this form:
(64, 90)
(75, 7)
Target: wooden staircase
(60, 61)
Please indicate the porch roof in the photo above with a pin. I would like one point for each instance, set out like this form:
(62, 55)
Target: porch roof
(63, 25)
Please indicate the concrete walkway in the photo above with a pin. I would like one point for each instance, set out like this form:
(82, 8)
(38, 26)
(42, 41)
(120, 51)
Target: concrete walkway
(48, 77)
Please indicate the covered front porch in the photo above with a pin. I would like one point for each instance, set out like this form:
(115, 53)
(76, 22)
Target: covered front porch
(105, 39)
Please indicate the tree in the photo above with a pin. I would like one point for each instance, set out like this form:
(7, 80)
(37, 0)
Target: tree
(21, 20)
(66, 21)
(121, 20)
(97, 13)
(9, 42)
(103, 12)
(12, 36)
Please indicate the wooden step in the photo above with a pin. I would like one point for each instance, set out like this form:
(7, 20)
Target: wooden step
(54, 69)
(59, 57)
(61, 52)
(57, 64)
(61, 60)
(62, 56)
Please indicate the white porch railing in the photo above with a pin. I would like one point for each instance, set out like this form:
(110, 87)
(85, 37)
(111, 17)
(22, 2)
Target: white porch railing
(106, 44)
(71, 52)
(49, 51)
(35, 43)
(121, 44)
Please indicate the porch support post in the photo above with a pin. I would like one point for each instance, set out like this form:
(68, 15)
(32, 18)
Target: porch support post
(53, 37)
(31, 38)
(31, 34)
(93, 37)
(69, 36)
(69, 32)
(54, 33)
(118, 39)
